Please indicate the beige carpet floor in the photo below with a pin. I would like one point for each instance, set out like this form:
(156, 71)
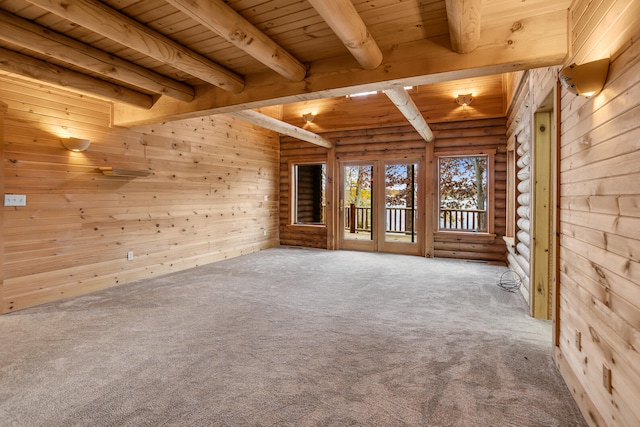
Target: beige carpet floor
(288, 337)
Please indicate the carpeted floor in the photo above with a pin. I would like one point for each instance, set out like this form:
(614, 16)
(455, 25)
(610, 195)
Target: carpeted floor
(288, 337)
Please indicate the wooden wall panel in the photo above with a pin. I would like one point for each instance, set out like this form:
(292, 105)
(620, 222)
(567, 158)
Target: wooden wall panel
(599, 286)
(212, 195)
(3, 110)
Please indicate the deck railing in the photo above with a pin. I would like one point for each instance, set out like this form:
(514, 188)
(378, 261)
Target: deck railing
(463, 219)
(399, 220)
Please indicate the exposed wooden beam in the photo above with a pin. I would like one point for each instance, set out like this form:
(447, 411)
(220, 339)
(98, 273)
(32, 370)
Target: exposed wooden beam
(464, 24)
(345, 21)
(21, 32)
(104, 20)
(541, 41)
(276, 125)
(408, 108)
(223, 20)
(44, 71)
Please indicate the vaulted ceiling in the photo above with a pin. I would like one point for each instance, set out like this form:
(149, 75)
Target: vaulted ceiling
(168, 59)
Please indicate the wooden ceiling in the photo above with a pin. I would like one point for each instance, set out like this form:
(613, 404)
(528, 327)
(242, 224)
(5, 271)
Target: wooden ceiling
(169, 59)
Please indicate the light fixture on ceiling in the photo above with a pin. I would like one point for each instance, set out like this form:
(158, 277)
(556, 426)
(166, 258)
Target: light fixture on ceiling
(464, 99)
(359, 94)
(585, 79)
(75, 144)
(308, 117)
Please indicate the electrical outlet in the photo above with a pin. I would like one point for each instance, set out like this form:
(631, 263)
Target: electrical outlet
(15, 200)
(606, 378)
(130, 256)
(578, 340)
(264, 232)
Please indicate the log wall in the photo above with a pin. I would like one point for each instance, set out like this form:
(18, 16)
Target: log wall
(212, 195)
(472, 137)
(475, 137)
(599, 294)
(295, 151)
(519, 126)
(535, 93)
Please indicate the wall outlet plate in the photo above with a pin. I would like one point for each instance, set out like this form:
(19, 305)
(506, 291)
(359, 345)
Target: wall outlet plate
(15, 200)
(130, 256)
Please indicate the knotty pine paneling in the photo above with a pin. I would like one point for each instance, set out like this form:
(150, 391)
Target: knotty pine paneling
(599, 287)
(212, 195)
(3, 110)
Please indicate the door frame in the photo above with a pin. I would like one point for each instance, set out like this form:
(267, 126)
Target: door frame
(544, 202)
(355, 244)
(378, 243)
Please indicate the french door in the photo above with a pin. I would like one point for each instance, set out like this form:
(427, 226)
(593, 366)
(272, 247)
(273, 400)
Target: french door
(379, 206)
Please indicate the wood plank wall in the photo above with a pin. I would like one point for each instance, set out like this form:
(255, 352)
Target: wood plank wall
(600, 218)
(3, 110)
(402, 141)
(212, 195)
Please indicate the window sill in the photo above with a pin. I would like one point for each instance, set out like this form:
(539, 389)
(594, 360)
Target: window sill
(307, 225)
(455, 236)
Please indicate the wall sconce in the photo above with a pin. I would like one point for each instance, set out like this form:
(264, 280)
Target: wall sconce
(76, 144)
(464, 99)
(585, 79)
(308, 117)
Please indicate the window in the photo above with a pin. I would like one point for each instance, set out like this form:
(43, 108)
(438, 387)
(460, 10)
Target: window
(463, 203)
(310, 193)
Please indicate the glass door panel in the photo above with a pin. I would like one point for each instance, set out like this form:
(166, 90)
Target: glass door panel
(358, 202)
(400, 198)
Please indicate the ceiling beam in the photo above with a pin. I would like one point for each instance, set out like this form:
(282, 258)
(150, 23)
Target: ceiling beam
(279, 126)
(346, 23)
(540, 41)
(464, 24)
(226, 22)
(410, 111)
(110, 23)
(40, 70)
(23, 33)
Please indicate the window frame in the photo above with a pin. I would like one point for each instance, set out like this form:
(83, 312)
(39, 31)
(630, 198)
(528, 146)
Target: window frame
(293, 192)
(490, 208)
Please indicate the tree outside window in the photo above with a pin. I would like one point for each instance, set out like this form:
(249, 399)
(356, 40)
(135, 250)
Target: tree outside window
(463, 193)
